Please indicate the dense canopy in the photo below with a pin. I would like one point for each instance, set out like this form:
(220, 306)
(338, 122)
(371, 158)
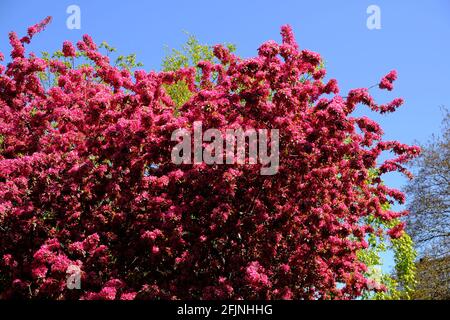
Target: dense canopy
(86, 179)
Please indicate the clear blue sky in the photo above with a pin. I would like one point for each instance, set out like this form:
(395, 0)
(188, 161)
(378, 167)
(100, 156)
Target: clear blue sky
(414, 39)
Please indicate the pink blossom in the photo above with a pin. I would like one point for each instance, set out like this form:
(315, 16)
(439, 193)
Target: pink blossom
(86, 179)
(68, 49)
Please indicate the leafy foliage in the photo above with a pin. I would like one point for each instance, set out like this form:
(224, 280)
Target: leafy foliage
(429, 222)
(433, 279)
(86, 179)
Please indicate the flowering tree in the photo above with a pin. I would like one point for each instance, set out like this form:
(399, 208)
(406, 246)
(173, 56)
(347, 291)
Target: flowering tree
(87, 181)
(398, 285)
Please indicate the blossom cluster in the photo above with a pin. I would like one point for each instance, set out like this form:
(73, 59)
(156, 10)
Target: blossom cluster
(86, 179)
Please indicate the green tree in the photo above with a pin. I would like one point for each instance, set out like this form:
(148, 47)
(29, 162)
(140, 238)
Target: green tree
(400, 284)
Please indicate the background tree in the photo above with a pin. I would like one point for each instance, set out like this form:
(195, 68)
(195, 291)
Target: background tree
(87, 179)
(429, 220)
(190, 55)
(433, 278)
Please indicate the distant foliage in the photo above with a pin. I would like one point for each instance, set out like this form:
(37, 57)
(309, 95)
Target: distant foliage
(190, 55)
(433, 279)
(429, 221)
